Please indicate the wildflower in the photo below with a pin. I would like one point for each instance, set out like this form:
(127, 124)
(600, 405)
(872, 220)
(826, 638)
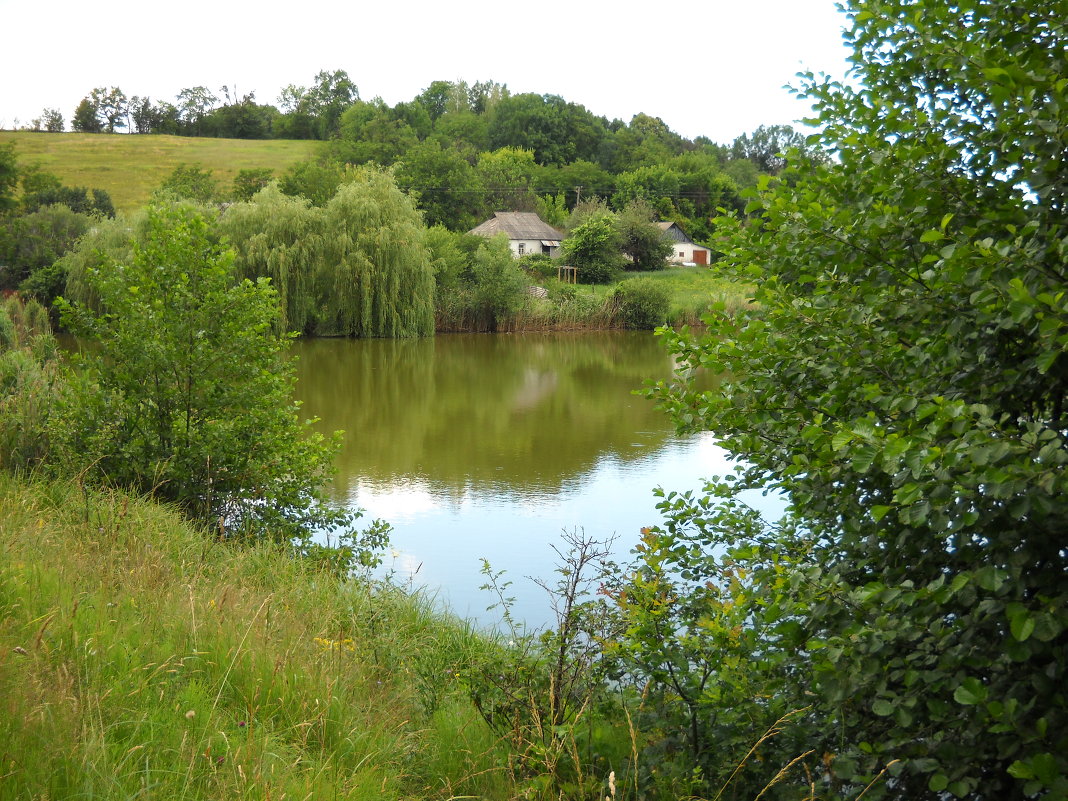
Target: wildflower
(191, 714)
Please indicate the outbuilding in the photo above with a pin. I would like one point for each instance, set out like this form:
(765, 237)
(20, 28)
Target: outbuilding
(686, 251)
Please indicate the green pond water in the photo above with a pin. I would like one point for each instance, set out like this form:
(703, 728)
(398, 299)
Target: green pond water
(489, 446)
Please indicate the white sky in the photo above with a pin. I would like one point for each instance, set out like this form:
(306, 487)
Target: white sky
(706, 67)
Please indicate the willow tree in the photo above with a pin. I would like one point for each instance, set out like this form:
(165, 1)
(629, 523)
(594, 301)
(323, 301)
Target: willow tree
(278, 236)
(376, 278)
(358, 266)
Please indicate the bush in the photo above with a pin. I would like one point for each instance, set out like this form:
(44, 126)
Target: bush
(187, 393)
(641, 303)
(538, 265)
(593, 246)
(29, 377)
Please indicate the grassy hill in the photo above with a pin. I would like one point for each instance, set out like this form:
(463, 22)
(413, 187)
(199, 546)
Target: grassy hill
(138, 658)
(130, 167)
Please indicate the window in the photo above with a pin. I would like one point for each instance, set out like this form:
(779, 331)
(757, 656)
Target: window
(522, 248)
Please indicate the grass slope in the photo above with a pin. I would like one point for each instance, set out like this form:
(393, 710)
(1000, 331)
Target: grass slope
(138, 658)
(130, 167)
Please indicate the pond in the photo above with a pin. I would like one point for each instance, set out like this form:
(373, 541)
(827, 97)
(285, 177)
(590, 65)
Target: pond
(490, 446)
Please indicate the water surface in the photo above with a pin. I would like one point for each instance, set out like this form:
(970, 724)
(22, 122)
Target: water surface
(488, 446)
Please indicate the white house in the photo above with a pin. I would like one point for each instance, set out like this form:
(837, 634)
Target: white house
(686, 252)
(527, 233)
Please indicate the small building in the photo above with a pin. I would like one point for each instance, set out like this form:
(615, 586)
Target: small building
(686, 252)
(527, 233)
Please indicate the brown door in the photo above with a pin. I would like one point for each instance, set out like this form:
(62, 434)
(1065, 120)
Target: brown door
(700, 256)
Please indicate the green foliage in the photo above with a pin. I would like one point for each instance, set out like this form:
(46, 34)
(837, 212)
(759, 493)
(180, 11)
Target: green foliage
(248, 182)
(540, 691)
(106, 243)
(445, 185)
(186, 392)
(906, 388)
(315, 181)
(37, 240)
(694, 640)
(78, 199)
(557, 132)
(478, 284)
(9, 177)
(593, 245)
(509, 177)
(85, 119)
(357, 266)
(641, 238)
(538, 265)
(191, 182)
(771, 146)
(641, 303)
(29, 378)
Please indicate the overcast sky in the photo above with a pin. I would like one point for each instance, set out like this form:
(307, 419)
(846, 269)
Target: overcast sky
(706, 67)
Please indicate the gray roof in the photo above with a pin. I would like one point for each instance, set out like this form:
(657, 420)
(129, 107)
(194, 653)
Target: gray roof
(672, 231)
(517, 225)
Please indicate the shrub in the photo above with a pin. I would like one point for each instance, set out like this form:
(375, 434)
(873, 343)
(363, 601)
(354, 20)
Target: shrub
(641, 303)
(29, 377)
(593, 246)
(187, 393)
(538, 265)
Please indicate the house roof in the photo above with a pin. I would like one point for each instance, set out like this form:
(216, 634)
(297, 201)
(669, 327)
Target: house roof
(672, 231)
(518, 225)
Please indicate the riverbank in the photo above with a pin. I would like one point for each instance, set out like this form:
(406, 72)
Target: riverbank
(690, 291)
(138, 656)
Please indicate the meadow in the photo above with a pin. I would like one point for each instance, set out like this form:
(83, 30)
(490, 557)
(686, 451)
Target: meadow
(130, 167)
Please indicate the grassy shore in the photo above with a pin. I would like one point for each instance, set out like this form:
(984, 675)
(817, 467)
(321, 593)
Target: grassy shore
(138, 658)
(130, 167)
(691, 291)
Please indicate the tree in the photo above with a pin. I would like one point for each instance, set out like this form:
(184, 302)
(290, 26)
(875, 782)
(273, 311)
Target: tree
(446, 187)
(188, 393)
(52, 120)
(905, 385)
(357, 266)
(642, 240)
(241, 118)
(369, 132)
(768, 146)
(593, 246)
(192, 182)
(509, 176)
(556, 131)
(193, 107)
(37, 240)
(110, 106)
(249, 181)
(85, 117)
(327, 99)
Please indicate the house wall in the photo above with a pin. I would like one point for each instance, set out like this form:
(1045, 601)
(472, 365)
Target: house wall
(529, 246)
(684, 251)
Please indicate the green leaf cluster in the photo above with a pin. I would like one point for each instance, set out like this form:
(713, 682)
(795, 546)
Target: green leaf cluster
(185, 391)
(905, 386)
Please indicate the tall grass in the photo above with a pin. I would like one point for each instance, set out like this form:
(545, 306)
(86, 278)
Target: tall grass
(140, 658)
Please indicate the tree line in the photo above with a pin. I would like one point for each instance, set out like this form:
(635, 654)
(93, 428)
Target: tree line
(465, 148)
